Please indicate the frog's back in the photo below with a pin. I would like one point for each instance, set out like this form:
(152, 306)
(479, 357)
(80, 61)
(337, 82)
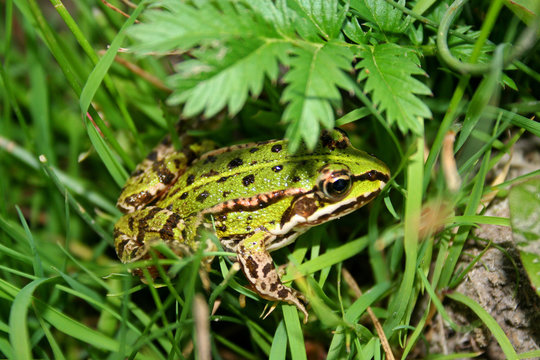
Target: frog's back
(249, 170)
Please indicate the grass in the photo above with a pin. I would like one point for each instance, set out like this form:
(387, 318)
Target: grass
(75, 121)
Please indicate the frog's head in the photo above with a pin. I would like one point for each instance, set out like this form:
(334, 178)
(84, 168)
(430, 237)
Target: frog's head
(345, 179)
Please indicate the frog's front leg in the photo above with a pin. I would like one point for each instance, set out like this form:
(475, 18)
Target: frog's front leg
(259, 269)
(134, 233)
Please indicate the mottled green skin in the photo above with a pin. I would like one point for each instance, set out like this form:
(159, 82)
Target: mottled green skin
(259, 196)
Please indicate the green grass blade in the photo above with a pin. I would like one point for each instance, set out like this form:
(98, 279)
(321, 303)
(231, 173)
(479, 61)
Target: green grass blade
(76, 206)
(398, 305)
(99, 72)
(18, 332)
(489, 322)
(76, 185)
(38, 267)
(278, 350)
(329, 258)
(73, 328)
(356, 310)
(57, 352)
(111, 163)
(294, 332)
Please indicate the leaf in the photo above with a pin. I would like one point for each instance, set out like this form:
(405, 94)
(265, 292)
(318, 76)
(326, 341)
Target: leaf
(381, 14)
(228, 81)
(18, 333)
(487, 92)
(317, 18)
(316, 74)
(234, 45)
(387, 70)
(526, 10)
(182, 26)
(524, 202)
(354, 32)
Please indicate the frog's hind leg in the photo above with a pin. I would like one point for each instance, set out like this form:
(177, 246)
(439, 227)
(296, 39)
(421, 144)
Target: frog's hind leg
(260, 271)
(159, 170)
(135, 233)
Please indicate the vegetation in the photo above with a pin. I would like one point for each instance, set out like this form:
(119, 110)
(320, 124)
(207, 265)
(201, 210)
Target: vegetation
(439, 90)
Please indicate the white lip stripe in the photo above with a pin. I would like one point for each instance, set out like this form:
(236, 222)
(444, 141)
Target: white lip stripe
(284, 241)
(297, 219)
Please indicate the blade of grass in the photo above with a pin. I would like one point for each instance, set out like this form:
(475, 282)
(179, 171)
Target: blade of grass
(485, 92)
(489, 322)
(100, 70)
(236, 348)
(73, 328)
(116, 170)
(79, 209)
(278, 350)
(18, 332)
(529, 354)
(72, 183)
(38, 267)
(34, 15)
(463, 233)
(56, 351)
(39, 105)
(85, 45)
(398, 305)
(294, 332)
(16, 234)
(357, 309)
(482, 219)
(329, 258)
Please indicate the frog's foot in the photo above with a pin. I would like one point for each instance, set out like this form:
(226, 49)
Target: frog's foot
(271, 310)
(261, 273)
(135, 233)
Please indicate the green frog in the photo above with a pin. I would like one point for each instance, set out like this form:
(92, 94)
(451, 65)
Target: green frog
(257, 197)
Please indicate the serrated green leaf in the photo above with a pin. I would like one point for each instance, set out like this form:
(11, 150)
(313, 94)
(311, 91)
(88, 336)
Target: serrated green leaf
(316, 74)
(211, 87)
(235, 45)
(318, 18)
(178, 25)
(381, 14)
(388, 71)
(354, 32)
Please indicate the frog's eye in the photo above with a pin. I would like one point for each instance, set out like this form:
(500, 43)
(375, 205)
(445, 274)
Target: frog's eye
(335, 182)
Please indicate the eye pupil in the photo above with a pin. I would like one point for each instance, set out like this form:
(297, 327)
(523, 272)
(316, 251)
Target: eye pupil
(340, 185)
(337, 188)
(335, 182)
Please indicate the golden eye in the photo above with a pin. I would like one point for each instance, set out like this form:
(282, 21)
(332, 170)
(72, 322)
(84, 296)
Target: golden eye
(335, 183)
(339, 186)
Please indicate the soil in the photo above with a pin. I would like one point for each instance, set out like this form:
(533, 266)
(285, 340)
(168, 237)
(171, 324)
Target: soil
(497, 283)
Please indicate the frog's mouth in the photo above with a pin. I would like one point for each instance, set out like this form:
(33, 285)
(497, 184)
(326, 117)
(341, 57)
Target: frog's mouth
(298, 224)
(306, 213)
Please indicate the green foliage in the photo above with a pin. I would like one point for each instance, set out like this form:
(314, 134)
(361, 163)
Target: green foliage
(387, 70)
(78, 111)
(235, 47)
(524, 204)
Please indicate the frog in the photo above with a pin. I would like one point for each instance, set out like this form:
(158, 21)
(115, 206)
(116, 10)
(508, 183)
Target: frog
(256, 197)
